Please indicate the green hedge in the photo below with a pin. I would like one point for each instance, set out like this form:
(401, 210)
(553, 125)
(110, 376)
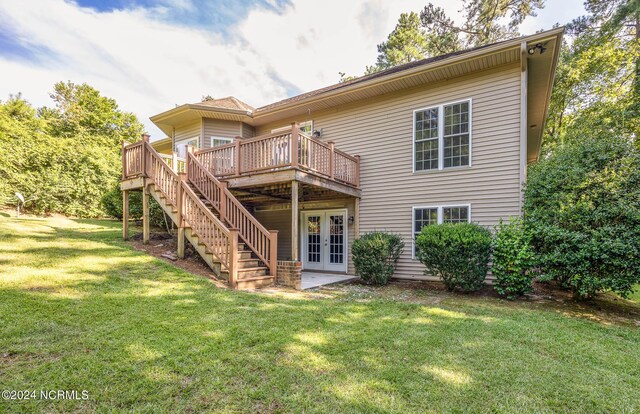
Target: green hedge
(582, 205)
(458, 253)
(375, 256)
(513, 259)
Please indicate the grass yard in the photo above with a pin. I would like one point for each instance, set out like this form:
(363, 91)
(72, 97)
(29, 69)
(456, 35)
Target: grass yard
(82, 310)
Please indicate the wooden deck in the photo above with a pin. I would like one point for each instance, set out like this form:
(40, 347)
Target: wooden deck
(283, 157)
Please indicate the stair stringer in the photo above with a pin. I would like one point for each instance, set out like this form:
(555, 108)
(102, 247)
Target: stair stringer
(192, 237)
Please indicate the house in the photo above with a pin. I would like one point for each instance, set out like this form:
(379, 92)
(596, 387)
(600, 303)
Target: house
(444, 139)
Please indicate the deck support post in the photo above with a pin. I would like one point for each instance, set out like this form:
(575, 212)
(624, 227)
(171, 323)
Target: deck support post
(145, 212)
(332, 159)
(233, 258)
(145, 140)
(356, 218)
(273, 254)
(236, 156)
(125, 215)
(180, 223)
(294, 221)
(295, 133)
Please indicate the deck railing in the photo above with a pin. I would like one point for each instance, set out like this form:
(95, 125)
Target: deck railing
(132, 160)
(290, 149)
(260, 240)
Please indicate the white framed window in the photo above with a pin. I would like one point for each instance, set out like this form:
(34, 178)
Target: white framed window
(181, 146)
(428, 215)
(217, 141)
(306, 127)
(442, 136)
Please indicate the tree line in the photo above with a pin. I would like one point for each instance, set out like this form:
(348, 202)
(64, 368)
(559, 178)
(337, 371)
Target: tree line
(63, 158)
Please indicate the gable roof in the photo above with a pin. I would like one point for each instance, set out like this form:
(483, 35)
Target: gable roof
(230, 102)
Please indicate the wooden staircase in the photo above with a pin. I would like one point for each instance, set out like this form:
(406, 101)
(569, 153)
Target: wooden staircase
(223, 248)
(252, 273)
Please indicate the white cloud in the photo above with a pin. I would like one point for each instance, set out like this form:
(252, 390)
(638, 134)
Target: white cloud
(148, 65)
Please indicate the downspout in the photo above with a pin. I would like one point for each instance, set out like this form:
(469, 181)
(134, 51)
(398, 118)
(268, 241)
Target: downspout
(524, 72)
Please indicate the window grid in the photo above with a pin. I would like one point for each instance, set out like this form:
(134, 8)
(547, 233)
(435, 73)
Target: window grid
(440, 145)
(423, 217)
(336, 239)
(455, 214)
(456, 135)
(426, 139)
(314, 243)
(217, 141)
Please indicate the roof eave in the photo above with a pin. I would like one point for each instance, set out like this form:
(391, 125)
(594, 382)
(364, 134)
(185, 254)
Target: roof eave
(554, 65)
(514, 43)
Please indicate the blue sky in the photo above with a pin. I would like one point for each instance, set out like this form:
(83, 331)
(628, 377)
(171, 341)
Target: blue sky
(216, 15)
(152, 55)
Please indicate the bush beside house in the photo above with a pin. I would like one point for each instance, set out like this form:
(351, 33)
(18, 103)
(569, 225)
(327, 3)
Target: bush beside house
(375, 256)
(513, 259)
(582, 204)
(458, 253)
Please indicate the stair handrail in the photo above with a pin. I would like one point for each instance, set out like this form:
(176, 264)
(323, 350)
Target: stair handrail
(161, 173)
(261, 241)
(220, 241)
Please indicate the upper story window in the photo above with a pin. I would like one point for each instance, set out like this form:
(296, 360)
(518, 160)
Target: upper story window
(442, 136)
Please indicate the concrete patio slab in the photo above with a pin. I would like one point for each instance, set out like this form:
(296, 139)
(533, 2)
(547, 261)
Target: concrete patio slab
(313, 279)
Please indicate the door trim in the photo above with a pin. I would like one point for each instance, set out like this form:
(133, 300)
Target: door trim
(303, 232)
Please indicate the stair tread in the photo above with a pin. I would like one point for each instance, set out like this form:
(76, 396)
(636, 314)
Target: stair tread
(252, 269)
(251, 278)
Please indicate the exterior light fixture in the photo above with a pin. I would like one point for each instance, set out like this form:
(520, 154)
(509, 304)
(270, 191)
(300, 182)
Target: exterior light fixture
(539, 46)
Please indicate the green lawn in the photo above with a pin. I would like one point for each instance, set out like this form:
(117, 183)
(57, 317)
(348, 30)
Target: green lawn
(81, 310)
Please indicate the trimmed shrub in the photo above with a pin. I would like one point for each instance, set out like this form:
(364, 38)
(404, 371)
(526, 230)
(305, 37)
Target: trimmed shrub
(513, 259)
(112, 205)
(582, 205)
(457, 253)
(375, 256)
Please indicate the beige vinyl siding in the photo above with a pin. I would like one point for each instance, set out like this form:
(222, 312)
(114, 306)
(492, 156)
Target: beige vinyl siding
(381, 132)
(220, 128)
(278, 220)
(187, 131)
(248, 131)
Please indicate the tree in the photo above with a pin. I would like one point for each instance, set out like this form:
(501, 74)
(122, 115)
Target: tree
(82, 112)
(597, 84)
(486, 21)
(65, 158)
(582, 205)
(406, 43)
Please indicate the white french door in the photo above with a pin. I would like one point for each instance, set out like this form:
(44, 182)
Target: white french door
(324, 240)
